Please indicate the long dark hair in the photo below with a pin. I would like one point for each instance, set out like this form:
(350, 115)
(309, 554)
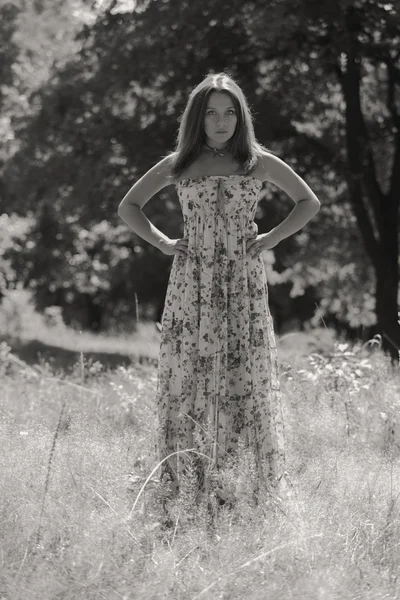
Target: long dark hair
(245, 149)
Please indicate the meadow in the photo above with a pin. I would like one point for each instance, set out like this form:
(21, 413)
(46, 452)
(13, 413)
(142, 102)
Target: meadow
(81, 518)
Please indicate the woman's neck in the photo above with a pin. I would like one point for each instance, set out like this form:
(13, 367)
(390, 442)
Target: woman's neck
(215, 151)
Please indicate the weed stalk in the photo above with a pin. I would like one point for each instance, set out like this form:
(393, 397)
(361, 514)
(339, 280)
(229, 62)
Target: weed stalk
(46, 485)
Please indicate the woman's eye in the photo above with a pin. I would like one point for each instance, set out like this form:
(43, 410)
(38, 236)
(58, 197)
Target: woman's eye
(231, 111)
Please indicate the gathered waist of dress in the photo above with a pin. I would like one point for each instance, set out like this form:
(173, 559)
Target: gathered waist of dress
(219, 242)
(190, 231)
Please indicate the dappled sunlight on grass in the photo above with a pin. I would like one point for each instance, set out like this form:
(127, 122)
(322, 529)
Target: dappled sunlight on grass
(69, 485)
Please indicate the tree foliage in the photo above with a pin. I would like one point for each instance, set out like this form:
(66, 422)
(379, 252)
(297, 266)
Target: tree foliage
(113, 110)
(8, 48)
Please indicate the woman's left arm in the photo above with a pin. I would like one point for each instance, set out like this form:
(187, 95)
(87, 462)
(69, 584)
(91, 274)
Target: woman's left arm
(307, 204)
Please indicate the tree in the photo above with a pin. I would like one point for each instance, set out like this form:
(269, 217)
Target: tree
(358, 43)
(8, 49)
(35, 36)
(8, 56)
(111, 112)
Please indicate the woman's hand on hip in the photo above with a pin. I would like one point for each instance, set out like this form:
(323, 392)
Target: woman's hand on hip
(171, 247)
(264, 241)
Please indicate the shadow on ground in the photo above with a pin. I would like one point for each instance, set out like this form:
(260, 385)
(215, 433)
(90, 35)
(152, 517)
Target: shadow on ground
(291, 348)
(37, 352)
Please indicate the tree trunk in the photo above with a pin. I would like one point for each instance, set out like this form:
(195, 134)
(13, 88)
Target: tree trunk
(94, 314)
(379, 225)
(387, 312)
(387, 271)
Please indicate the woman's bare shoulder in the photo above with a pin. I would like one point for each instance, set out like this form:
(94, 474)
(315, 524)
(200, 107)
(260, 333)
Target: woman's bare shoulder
(162, 170)
(166, 164)
(281, 174)
(260, 170)
(153, 181)
(269, 164)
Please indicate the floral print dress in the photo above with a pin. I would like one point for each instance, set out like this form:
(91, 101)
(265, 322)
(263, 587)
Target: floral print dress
(218, 365)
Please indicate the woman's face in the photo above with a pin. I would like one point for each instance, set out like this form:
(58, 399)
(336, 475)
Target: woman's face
(220, 119)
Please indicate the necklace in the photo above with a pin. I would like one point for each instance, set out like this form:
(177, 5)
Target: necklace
(215, 150)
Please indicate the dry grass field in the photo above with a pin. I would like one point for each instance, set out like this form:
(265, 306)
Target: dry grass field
(80, 518)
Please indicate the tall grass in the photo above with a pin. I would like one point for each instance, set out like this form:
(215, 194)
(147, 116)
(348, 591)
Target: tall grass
(83, 512)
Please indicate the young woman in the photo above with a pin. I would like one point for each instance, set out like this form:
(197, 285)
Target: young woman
(218, 379)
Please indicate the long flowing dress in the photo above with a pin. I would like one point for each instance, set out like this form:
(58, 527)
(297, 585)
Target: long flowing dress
(218, 363)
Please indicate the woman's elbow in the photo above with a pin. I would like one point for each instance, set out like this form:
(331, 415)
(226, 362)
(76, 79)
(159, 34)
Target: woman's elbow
(314, 202)
(122, 208)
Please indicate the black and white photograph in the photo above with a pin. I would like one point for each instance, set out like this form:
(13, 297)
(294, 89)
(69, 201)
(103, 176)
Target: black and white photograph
(199, 300)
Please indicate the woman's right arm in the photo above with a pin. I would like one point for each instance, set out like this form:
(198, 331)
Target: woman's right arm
(130, 208)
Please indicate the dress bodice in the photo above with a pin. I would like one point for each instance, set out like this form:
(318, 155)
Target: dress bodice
(218, 211)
